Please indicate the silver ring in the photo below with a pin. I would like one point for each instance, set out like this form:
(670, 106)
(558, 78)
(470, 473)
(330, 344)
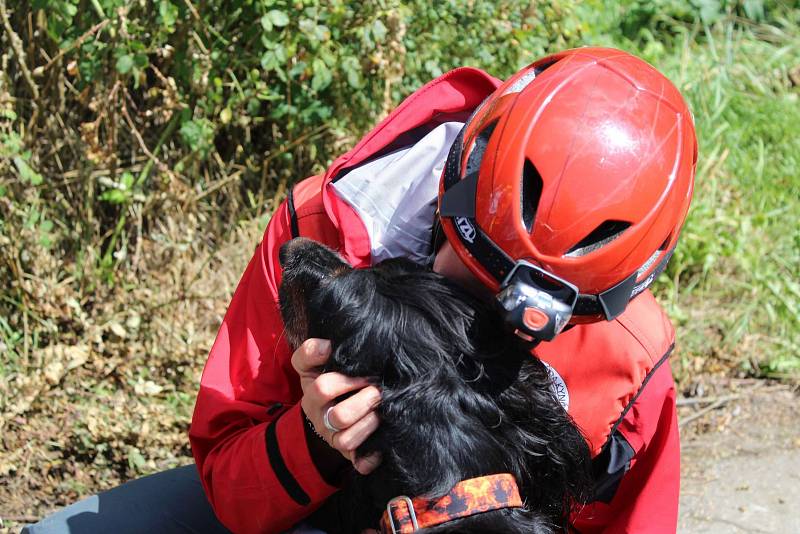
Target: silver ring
(326, 420)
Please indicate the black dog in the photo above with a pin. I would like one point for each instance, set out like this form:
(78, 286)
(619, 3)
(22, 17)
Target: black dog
(461, 397)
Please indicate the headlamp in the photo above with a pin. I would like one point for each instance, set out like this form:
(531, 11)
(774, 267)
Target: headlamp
(536, 303)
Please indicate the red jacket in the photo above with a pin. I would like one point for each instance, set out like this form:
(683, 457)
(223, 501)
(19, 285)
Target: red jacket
(247, 432)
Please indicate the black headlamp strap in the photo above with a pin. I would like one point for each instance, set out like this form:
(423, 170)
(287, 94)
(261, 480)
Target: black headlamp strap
(458, 204)
(612, 302)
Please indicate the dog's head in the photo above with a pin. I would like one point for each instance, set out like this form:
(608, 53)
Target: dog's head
(461, 398)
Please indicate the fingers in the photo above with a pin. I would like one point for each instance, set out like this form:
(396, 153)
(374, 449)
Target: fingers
(349, 439)
(321, 394)
(367, 464)
(352, 409)
(354, 416)
(329, 386)
(347, 442)
(310, 355)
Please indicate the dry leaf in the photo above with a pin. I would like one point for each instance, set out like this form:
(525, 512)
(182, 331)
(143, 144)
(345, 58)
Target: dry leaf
(147, 387)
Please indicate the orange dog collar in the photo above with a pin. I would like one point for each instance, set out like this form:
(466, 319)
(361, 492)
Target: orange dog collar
(404, 515)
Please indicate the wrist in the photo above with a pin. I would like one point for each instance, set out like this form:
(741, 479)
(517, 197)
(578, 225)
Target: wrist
(330, 463)
(309, 425)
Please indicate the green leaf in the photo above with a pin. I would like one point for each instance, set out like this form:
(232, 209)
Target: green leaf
(168, 14)
(125, 64)
(710, 10)
(26, 172)
(352, 69)
(278, 18)
(266, 23)
(12, 145)
(754, 9)
(280, 53)
(126, 180)
(253, 106)
(32, 219)
(379, 30)
(322, 33)
(115, 196)
(198, 134)
(269, 61)
(135, 459)
(307, 26)
(322, 75)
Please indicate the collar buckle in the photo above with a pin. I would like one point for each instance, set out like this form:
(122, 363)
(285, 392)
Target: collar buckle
(402, 521)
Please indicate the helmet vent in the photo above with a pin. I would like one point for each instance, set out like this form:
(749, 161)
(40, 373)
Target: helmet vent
(604, 234)
(479, 147)
(649, 263)
(538, 69)
(531, 193)
(527, 78)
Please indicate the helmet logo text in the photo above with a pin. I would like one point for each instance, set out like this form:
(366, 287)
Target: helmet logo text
(465, 228)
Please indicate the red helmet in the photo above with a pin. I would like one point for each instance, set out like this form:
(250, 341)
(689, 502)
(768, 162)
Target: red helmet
(567, 188)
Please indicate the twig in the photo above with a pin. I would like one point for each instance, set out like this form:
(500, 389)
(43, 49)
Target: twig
(16, 45)
(20, 518)
(161, 166)
(78, 42)
(713, 406)
(193, 10)
(173, 123)
(217, 185)
(138, 248)
(98, 8)
(292, 144)
(691, 401)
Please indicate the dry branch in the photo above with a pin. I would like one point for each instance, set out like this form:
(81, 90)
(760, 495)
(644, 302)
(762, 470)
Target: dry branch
(713, 406)
(16, 46)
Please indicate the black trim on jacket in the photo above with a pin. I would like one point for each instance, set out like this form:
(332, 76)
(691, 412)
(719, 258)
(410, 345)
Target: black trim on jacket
(615, 457)
(280, 469)
(292, 213)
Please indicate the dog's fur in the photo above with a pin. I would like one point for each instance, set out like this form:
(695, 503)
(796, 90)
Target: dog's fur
(461, 397)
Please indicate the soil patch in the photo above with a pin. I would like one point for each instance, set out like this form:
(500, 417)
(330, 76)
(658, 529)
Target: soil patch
(740, 461)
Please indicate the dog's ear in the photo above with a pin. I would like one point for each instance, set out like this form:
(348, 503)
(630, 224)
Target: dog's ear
(306, 265)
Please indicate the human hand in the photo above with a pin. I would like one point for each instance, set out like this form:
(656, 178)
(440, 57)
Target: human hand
(354, 417)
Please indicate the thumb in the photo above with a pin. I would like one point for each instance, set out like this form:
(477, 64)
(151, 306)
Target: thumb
(311, 354)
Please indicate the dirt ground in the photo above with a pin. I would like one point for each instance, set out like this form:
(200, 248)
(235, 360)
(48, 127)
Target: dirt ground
(741, 458)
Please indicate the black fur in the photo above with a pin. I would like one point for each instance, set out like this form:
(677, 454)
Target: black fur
(461, 397)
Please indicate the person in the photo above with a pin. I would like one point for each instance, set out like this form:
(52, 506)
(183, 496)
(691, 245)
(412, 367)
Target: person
(570, 181)
(560, 193)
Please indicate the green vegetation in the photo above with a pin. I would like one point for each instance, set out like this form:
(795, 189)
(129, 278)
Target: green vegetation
(143, 145)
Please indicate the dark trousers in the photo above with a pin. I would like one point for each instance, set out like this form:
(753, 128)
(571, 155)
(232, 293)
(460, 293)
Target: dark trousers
(168, 502)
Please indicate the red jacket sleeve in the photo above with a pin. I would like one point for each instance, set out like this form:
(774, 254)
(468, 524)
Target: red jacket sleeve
(646, 500)
(247, 431)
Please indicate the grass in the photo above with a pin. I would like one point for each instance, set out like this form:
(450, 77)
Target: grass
(733, 285)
